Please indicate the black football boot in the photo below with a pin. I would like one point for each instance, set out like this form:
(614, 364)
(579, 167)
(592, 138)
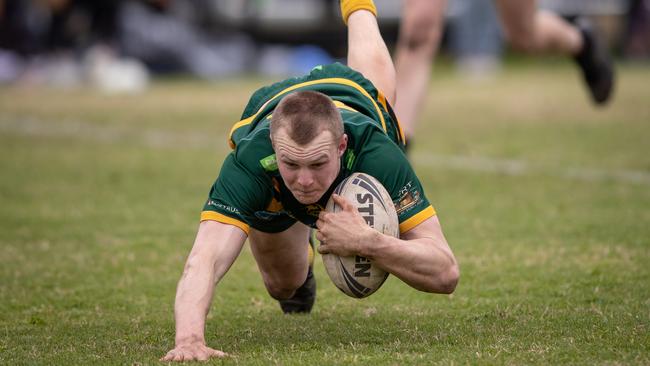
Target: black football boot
(595, 63)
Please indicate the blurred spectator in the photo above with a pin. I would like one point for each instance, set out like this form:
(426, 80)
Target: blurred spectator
(475, 37)
(79, 24)
(637, 38)
(167, 36)
(22, 35)
(107, 43)
(65, 43)
(19, 30)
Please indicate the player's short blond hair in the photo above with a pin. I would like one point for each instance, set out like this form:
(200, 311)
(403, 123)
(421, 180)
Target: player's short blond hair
(305, 114)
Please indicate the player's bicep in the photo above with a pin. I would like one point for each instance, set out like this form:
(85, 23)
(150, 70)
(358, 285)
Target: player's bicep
(429, 228)
(430, 232)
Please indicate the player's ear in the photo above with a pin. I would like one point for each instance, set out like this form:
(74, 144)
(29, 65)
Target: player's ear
(343, 144)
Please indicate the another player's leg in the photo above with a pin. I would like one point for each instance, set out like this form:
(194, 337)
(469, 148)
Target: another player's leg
(367, 52)
(532, 30)
(284, 261)
(419, 39)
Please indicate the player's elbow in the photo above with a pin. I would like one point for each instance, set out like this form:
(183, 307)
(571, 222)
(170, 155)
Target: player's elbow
(450, 279)
(445, 281)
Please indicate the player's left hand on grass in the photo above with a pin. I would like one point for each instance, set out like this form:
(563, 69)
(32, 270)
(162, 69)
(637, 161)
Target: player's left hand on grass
(193, 351)
(343, 232)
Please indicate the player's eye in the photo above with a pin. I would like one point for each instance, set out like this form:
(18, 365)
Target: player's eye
(317, 165)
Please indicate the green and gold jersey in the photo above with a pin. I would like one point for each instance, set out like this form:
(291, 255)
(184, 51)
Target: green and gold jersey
(250, 192)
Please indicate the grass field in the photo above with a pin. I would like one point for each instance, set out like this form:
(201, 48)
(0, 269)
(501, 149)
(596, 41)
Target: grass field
(544, 199)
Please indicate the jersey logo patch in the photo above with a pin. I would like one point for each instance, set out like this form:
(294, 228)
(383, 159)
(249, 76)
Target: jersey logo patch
(269, 163)
(409, 197)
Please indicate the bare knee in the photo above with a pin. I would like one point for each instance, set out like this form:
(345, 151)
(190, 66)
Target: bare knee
(522, 43)
(281, 259)
(422, 25)
(521, 38)
(421, 36)
(282, 289)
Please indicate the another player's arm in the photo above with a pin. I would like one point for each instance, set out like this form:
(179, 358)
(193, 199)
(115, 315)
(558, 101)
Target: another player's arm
(421, 257)
(215, 249)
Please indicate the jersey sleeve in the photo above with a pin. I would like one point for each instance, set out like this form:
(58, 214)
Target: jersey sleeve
(236, 195)
(384, 160)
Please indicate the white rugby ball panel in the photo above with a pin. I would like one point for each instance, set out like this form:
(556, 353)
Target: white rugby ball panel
(356, 276)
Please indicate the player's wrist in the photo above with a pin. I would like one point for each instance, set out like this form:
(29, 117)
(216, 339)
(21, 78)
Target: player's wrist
(350, 6)
(189, 339)
(368, 240)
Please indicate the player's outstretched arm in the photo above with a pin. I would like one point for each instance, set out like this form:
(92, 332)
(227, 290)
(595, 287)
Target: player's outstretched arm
(421, 257)
(215, 249)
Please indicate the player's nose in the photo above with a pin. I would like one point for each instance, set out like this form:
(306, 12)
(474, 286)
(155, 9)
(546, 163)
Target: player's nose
(305, 178)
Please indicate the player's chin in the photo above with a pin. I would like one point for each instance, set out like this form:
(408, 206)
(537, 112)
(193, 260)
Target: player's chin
(307, 198)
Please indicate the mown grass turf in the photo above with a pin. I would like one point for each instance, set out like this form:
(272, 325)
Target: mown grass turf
(544, 199)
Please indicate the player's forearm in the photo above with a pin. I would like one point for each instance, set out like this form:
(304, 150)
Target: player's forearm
(215, 249)
(421, 263)
(193, 298)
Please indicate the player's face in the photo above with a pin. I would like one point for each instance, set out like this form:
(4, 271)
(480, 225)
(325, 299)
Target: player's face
(309, 170)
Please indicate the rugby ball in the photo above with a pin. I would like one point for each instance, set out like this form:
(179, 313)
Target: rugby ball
(357, 276)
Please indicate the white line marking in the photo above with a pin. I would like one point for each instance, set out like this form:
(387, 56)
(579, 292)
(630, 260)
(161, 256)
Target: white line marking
(521, 167)
(157, 138)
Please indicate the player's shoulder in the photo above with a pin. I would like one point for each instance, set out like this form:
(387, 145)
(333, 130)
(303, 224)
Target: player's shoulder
(356, 123)
(365, 134)
(254, 148)
(375, 152)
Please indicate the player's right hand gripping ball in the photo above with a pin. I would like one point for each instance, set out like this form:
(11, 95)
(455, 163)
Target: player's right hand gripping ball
(357, 276)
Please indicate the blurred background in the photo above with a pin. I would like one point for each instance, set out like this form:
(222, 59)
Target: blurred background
(543, 197)
(118, 45)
